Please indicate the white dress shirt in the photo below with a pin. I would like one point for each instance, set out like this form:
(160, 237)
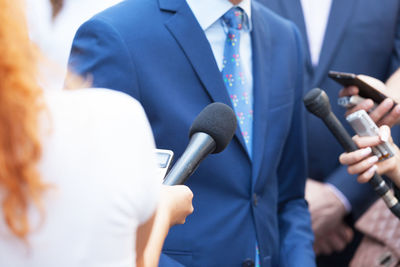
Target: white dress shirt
(98, 159)
(316, 15)
(208, 13)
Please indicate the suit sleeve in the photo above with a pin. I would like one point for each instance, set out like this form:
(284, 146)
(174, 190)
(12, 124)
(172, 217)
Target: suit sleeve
(360, 196)
(296, 237)
(100, 55)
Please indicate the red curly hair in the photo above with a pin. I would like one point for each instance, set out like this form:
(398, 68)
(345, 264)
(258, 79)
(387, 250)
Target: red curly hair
(20, 104)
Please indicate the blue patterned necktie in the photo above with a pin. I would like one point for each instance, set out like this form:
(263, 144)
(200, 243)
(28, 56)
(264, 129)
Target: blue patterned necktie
(239, 92)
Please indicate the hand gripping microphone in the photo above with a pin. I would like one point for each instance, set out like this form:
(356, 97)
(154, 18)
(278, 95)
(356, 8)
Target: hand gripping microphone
(317, 102)
(211, 132)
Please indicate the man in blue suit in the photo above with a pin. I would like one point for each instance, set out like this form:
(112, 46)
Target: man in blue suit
(358, 36)
(176, 57)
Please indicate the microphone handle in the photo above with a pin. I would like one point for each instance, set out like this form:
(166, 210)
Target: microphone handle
(379, 185)
(340, 132)
(200, 145)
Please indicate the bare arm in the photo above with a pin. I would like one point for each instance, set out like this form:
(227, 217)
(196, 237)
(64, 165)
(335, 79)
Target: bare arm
(175, 205)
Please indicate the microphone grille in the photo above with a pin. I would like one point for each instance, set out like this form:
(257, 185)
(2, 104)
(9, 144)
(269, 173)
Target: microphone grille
(317, 102)
(217, 120)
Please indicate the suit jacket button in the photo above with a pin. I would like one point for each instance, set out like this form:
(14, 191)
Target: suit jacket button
(248, 263)
(255, 199)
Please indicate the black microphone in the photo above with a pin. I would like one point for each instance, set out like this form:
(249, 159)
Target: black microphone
(211, 132)
(317, 102)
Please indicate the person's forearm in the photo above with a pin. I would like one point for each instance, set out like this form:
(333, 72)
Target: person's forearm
(155, 243)
(174, 207)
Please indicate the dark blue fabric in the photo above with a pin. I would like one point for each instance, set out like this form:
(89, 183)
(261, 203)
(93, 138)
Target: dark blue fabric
(362, 37)
(157, 52)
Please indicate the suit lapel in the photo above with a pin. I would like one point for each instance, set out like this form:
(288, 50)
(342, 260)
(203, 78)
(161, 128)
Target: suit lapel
(261, 50)
(191, 38)
(340, 13)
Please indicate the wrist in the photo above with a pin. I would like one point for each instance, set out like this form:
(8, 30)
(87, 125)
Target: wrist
(342, 206)
(163, 215)
(396, 178)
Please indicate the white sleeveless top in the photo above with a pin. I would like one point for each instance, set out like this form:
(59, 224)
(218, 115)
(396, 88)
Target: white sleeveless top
(98, 159)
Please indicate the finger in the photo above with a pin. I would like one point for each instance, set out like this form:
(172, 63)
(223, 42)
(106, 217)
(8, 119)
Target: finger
(355, 156)
(316, 246)
(349, 234)
(366, 105)
(388, 166)
(367, 141)
(345, 232)
(336, 242)
(367, 175)
(384, 133)
(381, 110)
(348, 91)
(191, 210)
(392, 118)
(322, 247)
(363, 165)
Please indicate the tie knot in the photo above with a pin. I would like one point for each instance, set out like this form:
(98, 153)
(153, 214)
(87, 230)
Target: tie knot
(234, 18)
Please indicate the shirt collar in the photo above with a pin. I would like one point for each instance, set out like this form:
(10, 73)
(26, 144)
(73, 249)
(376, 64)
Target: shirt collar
(207, 12)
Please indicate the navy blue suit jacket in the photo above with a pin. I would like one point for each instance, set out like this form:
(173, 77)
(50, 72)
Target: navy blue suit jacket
(155, 51)
(362, 37)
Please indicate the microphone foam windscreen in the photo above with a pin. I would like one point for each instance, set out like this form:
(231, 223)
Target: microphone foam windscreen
(217, 120)
(317, 102)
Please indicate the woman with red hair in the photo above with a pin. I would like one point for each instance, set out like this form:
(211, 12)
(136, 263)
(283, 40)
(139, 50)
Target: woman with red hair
(78, 183)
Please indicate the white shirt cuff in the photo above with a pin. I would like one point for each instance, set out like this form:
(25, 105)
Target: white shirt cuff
(341, 197)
